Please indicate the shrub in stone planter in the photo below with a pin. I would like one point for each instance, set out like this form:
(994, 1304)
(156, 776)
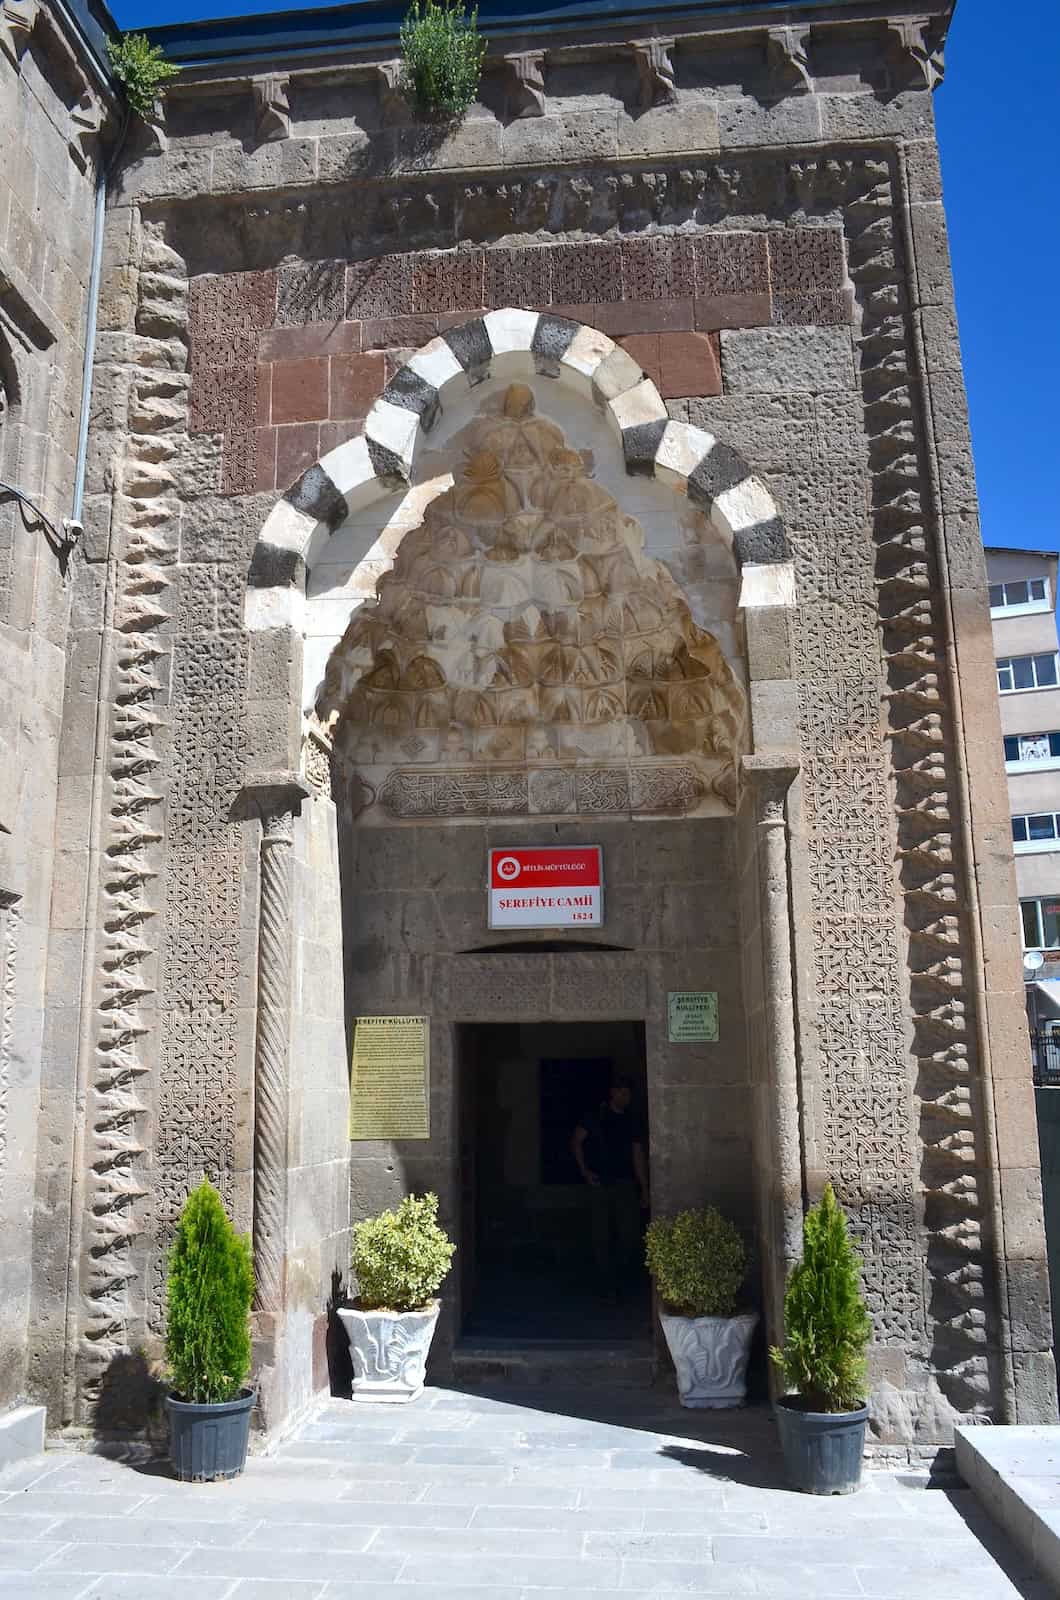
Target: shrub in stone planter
(209, 1292)
(698, 1261)
(826, 1330)
(442, 57)
(400, 1259)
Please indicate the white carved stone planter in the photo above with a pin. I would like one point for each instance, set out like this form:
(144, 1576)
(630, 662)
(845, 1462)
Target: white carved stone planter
(710, 1358)
(389, 1350)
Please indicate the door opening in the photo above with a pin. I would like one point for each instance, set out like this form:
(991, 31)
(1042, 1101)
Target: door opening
(548, 1255)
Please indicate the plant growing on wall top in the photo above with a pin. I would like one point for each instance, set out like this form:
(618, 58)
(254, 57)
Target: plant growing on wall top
(443, 57)
(142, 69)
(211, 1286)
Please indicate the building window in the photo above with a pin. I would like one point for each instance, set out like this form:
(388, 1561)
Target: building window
(1038, 831)
(1041, 923)
(1026, 672)
(1025, 594)
(1032, 749)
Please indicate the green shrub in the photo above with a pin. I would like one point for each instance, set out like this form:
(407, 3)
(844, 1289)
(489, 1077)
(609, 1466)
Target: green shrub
(698, 1261)
(826, 1326)
(141, 68)
(401, 1257)
(211, 1285)
(443, 57)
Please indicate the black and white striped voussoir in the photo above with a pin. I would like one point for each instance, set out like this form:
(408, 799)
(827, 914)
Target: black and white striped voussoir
(473, 348)
(408, 390)
(316, 495)
(510, 344)
(272, 567)
(552, 338)
(640, 445)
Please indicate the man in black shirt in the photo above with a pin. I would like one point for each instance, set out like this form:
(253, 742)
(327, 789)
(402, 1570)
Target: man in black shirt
(609, 1150)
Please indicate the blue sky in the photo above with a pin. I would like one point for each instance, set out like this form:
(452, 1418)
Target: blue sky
(996, 111)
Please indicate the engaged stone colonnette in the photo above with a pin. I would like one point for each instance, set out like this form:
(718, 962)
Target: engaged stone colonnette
(717, 267)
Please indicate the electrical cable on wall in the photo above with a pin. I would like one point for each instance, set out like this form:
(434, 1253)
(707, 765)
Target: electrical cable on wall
(64, 538)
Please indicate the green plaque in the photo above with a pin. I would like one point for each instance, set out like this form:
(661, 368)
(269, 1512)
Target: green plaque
(389, 1078)
(693, 1016)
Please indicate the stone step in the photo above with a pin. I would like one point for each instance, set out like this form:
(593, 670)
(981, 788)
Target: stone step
(21, 1434)
(1015, 1473)
(559, 1365)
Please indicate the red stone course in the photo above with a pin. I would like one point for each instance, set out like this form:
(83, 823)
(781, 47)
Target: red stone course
(286, 364)
(355, 384)
(679, 364)
(300, 389)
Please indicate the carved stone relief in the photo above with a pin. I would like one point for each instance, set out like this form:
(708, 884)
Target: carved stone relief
(8, 936)
(543, 791)
(161, 1080)
(86, 119)
(117, 1106)
(526, 76)
(524, 652)
(916, 51)
(317, 756)
(272, 108)
(901, 1145)
(787, 51)
(655, 71)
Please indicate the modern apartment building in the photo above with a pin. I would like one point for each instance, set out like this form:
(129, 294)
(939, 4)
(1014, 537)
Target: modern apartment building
(1023, 614)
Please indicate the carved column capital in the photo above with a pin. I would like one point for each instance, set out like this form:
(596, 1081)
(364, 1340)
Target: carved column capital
(18, 18)
(526, 82)
(272, 110)
(655, 69)
(272, 797)
(918, 54)
(770, 776)
(789, 62)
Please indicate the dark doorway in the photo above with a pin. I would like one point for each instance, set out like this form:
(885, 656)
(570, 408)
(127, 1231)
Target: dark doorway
(532, 1266)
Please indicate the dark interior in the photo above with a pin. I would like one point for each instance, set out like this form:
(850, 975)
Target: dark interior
(527, 1262)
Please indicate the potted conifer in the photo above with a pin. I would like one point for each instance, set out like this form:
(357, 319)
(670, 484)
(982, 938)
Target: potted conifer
(698, 1262)
(826, 1330)
(210, 1288)
(399, 1259)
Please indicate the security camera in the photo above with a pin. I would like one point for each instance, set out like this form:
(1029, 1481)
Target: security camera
(73, 529)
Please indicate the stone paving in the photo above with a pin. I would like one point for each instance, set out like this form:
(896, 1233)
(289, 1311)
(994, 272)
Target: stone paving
(496, 1497)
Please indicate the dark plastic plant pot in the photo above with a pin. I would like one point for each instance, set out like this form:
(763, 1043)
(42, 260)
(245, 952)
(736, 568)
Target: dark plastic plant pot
(823, 1450)
(209, 1442)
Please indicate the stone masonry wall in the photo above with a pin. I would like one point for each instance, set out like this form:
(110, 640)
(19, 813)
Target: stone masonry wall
(51, 111)
(415, 938)
(778, 264)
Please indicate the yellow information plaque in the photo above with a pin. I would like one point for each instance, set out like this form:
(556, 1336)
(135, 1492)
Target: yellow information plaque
(390, 1079)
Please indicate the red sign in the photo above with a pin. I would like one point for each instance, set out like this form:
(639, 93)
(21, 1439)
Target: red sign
(559, 887)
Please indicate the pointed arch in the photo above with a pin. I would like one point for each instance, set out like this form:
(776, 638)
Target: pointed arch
(514, 344)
